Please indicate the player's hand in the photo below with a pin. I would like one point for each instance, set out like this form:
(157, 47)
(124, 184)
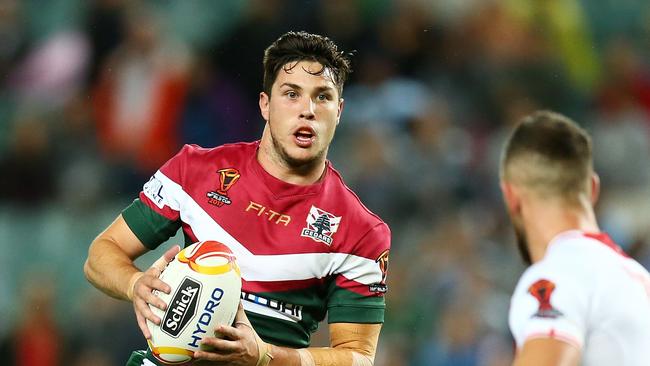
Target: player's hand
(239, 347)
(141, 291)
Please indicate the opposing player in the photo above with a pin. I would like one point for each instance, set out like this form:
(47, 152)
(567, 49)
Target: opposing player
(306, 245)
(582, 299)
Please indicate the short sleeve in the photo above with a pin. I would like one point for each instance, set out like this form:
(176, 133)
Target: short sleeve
(154, 216)
(356, 293)
(548, 303)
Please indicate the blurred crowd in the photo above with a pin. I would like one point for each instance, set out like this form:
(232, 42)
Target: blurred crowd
(96, 95)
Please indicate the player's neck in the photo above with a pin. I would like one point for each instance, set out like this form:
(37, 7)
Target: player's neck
(277, 167)
(544, 220)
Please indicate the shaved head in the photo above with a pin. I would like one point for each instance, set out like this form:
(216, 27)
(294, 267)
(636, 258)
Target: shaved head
(549, 155)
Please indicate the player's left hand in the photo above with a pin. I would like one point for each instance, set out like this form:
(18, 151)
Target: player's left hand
(238, 347)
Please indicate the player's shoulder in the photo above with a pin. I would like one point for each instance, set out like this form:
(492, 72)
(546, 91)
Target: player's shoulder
(193, 157)
(570, 259)
(235, 150)
(350, 202)
(584, 253)
(193, 161)
(558, 264)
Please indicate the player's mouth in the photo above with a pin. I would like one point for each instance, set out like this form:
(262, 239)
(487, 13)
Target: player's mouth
(304, 137)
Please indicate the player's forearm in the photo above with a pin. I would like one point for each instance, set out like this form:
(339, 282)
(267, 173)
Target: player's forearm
(109, 269)
(547, 352)
(351, 344)
(313, 356)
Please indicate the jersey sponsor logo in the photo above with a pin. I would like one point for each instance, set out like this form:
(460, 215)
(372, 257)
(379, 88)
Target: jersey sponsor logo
(293, 311)
(379, 288)
(271, 215)
(227, 178)
(153, 189)
(321, 225)
(542, 290)
(382, 261)
(182, 308)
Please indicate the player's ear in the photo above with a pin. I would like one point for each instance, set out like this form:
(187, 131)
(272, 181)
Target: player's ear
(595, 188)
(510, 197)
(264, 102)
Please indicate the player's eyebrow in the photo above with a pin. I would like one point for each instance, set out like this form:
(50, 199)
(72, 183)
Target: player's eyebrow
(317, 90)
(292, 86)
(298, 87)
(325, 88)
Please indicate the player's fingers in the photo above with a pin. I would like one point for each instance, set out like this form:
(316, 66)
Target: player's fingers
(222, 346)
(152, 299)
(161, 263)
(142, 323)
(149, 282)
(171, 253)
(143, 308)
(160, 285)
(155, 270)
(229, 332)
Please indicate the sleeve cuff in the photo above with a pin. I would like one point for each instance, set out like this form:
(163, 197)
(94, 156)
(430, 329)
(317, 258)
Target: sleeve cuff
(149, 226)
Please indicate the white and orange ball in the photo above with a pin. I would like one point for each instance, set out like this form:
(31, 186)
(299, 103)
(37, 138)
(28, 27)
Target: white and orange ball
(206, 288)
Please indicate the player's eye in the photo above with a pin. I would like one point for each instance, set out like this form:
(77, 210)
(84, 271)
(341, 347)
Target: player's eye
(291, 94)
(323, 97)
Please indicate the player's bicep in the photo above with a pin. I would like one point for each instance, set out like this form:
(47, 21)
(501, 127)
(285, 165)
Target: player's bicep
(120, 234)
(547, 352)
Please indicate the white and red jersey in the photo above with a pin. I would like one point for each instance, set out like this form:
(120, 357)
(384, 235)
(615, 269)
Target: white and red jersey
(587, 292)
(304, 251)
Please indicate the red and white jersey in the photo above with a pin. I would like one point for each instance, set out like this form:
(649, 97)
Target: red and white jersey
(304, 251)
(587, 292)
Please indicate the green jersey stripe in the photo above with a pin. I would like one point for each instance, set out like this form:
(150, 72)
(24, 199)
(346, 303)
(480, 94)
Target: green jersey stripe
(149, 226)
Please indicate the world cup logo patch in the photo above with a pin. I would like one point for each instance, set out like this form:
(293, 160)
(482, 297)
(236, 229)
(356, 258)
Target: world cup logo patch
(227, 178)
(382, 261)
(542, 290)
(321, 225)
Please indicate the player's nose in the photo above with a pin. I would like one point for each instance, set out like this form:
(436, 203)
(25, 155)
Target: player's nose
(308, 110)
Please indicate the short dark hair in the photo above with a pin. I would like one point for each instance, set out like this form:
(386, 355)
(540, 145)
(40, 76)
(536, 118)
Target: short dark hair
(550, 153)
(303, 46)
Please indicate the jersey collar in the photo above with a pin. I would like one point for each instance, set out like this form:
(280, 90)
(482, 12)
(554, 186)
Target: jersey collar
(281, 189)
(600, 237)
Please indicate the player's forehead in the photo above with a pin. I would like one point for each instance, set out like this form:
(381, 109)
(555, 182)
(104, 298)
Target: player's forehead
(305, 74)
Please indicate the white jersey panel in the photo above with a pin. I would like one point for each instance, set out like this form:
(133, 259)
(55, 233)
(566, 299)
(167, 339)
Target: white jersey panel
(586, 293)
(261, 267)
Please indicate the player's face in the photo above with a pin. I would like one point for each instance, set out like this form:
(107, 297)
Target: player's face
(302, 113)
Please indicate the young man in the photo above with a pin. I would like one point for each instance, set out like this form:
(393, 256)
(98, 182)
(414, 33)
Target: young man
(582, 299)
(302, 238)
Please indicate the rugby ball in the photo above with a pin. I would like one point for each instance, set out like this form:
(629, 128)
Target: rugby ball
(206, 287)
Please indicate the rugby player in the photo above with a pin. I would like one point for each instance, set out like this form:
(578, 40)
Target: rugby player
(307, 247)
(582, 300)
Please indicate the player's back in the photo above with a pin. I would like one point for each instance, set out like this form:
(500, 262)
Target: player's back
(586, 291)
(618, 330)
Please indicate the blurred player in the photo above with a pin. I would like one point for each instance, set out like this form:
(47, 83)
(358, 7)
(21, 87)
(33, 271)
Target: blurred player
(582, 300)
(306, 245)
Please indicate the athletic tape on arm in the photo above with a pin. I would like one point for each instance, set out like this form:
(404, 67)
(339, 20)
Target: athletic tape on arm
(352, 345)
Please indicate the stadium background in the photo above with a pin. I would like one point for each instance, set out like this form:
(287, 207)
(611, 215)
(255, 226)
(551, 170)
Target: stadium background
(94, 95)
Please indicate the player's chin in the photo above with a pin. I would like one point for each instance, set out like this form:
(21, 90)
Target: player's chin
(298, 156)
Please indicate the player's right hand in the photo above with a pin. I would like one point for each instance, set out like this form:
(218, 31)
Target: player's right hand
(143, 285)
